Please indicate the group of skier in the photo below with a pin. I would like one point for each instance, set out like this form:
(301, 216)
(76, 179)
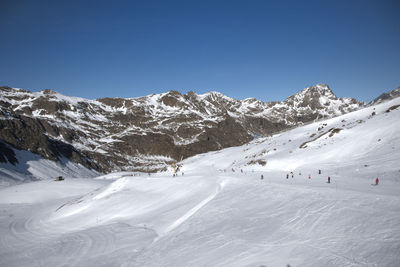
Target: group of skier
(319, 172)
(309, 176)
(287, 175)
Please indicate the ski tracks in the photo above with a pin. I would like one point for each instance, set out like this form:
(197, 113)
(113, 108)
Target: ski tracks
(95, 246)
(31, 236)
(192, 211)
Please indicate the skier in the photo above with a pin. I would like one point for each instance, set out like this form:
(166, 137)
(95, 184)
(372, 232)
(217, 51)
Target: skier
(319, 171)
(292, 174)
(376, 181)
(329, 179)
(309, 176)
(262, 177)
(287, 176)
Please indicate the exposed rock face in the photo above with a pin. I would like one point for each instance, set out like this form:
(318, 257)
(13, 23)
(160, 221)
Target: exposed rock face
(7, 154)
(149, 133)
(386, 96)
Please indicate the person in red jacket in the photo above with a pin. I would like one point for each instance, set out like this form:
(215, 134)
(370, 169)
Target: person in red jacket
(376, 181)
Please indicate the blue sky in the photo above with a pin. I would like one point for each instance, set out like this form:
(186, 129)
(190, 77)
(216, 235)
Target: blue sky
(263, 49)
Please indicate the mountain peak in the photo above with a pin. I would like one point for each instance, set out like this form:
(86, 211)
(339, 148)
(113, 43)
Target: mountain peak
(318, 90)
(313, 93)
(49, 92)
(173, 93)
(320, 97)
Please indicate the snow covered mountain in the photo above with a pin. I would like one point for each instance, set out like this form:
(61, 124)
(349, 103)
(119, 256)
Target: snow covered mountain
(149, 133)
(219, 212)
(386, 96)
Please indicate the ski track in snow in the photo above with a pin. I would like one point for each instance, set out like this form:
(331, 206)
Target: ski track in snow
(73, 245)
(192, 211)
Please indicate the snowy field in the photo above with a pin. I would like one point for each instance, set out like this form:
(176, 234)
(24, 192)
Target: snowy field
(220, 212)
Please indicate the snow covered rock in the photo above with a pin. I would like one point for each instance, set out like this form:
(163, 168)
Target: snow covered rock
(117, 133)
(386, 96)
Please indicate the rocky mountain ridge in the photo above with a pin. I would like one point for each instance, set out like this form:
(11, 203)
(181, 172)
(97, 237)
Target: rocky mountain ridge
(386, 96)
(149, 133)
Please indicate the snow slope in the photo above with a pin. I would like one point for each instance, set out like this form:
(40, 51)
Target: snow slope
(33, 167)
(220, 213)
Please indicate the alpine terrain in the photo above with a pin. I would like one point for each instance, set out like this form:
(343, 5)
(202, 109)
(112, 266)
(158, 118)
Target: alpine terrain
(148, 133)
(292, 183)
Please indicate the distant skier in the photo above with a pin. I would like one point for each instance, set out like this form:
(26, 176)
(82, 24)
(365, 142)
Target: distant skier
(287, 175)
(309, 176)
(292, 174)
(376, 181)
(299, 173)
(262, 177)
(329, 179)
(319, 171)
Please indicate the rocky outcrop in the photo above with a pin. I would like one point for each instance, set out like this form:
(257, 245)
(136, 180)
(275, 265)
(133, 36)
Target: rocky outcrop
(26, 133)
(149, 133)
(386, 96)
(7, 154)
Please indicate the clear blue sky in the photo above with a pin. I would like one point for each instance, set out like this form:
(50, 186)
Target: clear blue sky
(263, 49)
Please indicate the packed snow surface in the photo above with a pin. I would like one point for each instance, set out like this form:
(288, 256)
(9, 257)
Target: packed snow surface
(219, 212)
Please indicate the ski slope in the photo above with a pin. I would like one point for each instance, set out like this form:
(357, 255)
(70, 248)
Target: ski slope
(220, 212)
